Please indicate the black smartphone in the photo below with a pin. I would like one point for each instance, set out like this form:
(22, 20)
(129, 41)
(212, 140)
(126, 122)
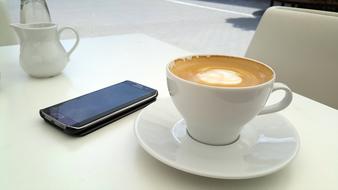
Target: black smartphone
(87, 113)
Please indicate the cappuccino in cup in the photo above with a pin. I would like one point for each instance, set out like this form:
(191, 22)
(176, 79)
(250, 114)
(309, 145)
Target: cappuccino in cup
(217, 94)
(222, 71)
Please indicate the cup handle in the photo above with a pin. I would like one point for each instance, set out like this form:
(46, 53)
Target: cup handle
(281, 104)
(76, 35)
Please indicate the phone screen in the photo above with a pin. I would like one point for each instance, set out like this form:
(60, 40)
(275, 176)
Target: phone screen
(89, 107)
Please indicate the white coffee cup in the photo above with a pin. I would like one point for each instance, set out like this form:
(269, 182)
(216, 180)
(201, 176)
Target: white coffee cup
(215, 115)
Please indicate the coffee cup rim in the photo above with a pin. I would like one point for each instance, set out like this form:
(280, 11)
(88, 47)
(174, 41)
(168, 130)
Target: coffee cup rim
(220, 87)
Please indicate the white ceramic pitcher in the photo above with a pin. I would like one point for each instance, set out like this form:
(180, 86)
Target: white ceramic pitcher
(41, 52)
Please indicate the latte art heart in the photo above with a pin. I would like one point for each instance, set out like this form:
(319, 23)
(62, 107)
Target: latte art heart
(219, 76)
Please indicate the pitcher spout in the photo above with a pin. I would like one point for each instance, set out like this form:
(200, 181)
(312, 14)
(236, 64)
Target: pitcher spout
(18, 28)
(35, 31)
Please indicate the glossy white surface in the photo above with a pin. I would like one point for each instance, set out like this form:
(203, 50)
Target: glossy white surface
(306, 48)
(266, 144)
(35, 156)
(41, 52)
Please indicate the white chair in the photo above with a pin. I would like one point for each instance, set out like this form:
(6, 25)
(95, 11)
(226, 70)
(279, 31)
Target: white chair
(302, 47)
(7, 36)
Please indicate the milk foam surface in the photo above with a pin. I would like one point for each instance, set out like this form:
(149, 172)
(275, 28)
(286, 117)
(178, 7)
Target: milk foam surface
(219, 76)
(221, 71)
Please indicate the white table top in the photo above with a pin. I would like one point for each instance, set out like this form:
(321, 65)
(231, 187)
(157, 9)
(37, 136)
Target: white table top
(36, 156)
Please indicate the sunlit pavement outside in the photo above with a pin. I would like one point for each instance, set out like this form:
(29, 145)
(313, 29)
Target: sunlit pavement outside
(199, 26)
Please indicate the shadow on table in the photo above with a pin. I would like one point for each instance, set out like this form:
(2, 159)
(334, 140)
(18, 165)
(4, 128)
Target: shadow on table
(246, 23)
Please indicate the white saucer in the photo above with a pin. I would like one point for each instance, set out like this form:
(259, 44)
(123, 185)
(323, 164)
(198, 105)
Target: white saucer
(266, 145)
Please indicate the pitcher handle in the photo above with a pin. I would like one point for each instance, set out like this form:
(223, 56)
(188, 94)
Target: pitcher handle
(76, 35)
(281, 104)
